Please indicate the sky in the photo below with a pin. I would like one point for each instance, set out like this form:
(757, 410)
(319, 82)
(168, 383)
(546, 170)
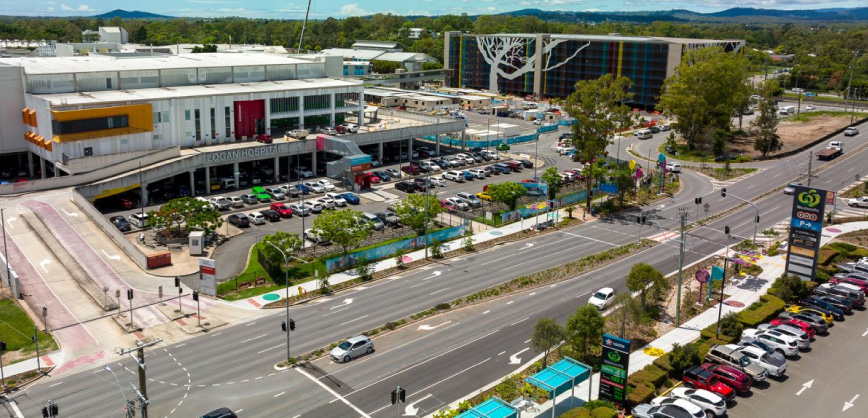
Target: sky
(321, 9)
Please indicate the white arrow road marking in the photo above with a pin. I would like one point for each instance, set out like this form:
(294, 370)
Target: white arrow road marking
(865, 333)
(73, 214)
(410, 410)
(848, 405)
(347, 301)
(806, 385)
(526, 246)
(430, 327)
(111, 257)
(515, 359)
(436, 273)
(43, 263)
(11, 219)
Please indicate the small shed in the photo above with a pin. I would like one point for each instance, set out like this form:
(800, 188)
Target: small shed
(197, 242)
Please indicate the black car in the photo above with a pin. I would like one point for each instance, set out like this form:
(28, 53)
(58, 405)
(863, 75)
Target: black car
(654, 130)
(526, 163)
(220, 413)
(477, 157)
(824, 307)
(442, 163)
(724, 157)
(238, 220)
(841, 303)
(388, 217)
(271, 215)
(120, 223)
(420, 183)
(406, 186)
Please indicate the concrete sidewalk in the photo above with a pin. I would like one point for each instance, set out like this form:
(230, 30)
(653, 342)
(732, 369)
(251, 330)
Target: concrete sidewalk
(743, 291)
(482, 234)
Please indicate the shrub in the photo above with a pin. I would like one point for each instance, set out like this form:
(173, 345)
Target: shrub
(843, 247)
(641, 393)
(683, 356)
(826, 256)
(596, 403)
(731, 326)
(772, 305)
(604, 412)
(580, 412)
(790, 289)
(664, 364)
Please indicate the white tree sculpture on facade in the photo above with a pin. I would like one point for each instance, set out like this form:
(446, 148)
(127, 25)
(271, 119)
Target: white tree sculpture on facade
(503, 53)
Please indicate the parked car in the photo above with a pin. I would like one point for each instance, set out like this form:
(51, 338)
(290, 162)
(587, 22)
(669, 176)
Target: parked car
(760, 357)
(448, 205)
(314, 186)
(351, 127)
(249, 198)
(299, 133)
(351, 348)
(803, 339)
(470, 199)
(337, 198)
(236, 201)
(281, 209)
(239, 220)
(314, 235)
(328, 130)
(603, 298)
(303, 189)
(271, 215)
(256, 218)
(299, 210)
(502, 168)
(477, 173)
(730, 355)
(394, 173)
(842, 303)
(713, 404)
(120, 223)
(303, 172)
(825, 307)
(784, 344)
(275, 193)
(860, 284)
(458, 203)
(405, 186)
(263, 138)
(694, 410)
(314, 207)
(420, 184)
(646, 410)
(351, 198)
(437, 181)
(326, 185)
(857, 298)
(731, 376)
(818, 324)
(384, 176)
(376, 223)
(389, 218)
(851, 131)
(795, 323)
(138, 220)
(485, 196)
(805, 309)
(762, 346)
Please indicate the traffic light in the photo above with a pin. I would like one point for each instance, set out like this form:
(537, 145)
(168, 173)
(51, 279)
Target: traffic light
(291, 324)
(641, 219)
(726, 230)
(757, 219)
(698, 200)
(129, 294)
(177, 281)
(53, 409)
(196, 295)
(399, 394)
(44, 412)
(283, 325)
(2, 346)
(723, 192)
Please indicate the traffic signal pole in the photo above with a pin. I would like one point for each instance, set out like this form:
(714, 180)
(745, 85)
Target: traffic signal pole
(142, 390)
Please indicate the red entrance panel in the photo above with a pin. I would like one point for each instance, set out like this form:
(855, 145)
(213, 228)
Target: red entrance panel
(247, 112)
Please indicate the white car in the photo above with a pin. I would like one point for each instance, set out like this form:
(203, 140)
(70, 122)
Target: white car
(313, 207)
(567, 150)
(693, 409)
(328, 130)
(139, 220)
(351, 127)
(780, 342)
(478, 172)
(326, 202)
(810, 107)
(256, 218)
(467, 158)
(673, 167)
(457, 162)
(851, 131)
(303, 172)
(437, 181)
(220, 202)
(713, 404)
(758, 356)
(459, 203)
(314, 186)
(603, 298)
(327, 185)
(315, 236)
(337, 198)
(454, 176)
(859, 202)
(803, 340)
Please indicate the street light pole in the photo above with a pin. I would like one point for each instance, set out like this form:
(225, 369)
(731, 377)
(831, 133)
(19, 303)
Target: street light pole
(683, 215)
(120, 388)
(427, 186)
(286, 271)
(849, 84)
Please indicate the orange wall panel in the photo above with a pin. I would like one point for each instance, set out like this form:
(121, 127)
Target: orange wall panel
(140, 120)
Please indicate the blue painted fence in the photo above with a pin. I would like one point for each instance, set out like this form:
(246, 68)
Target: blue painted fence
(535, 208)
(547, 128)
(482, 144)
(386, 251)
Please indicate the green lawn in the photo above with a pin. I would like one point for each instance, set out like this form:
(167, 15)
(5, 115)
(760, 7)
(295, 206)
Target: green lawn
(16, 329)
(820, 98)
(806, 116)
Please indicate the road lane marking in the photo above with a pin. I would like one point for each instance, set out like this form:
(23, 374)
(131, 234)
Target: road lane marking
(335, 394)
(281, 393)
(519, 321)
(334, 312)
(354, 320)
(51, 386)
(441, 290)
(501, 353)
(272, 348)
(527, 341)
(510, 302)
(254, 338)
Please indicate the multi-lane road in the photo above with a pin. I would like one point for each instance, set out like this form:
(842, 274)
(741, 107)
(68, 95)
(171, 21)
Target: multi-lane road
(457, 353)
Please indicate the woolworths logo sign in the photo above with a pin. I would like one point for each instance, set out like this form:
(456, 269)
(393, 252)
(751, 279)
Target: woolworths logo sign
(810, 198)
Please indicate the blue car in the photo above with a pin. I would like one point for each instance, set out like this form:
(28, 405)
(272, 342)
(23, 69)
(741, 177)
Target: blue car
(302, 188)
(384, 176)
(351, 198)
(468, 175)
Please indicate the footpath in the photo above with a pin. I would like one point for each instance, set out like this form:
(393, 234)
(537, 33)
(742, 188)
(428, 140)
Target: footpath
(742, 291)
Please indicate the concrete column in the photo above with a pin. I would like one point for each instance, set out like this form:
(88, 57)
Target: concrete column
(437, 145)
(410, 149)
(30, 163)
(192, 183)
(207, 179)
(301, 112)
(463, 141)
(236, 175)
(144, 192)
(380, 152)
(42, 166)
(268, 117)
(332, 109)
(313, 163)
(276, 169)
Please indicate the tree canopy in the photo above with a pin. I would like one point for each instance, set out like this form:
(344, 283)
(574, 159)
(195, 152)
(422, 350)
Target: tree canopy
(185, 213)
(547, 334)
(598, 107)
(506, 193)
(286, 242)
(553, 180)
(584, 332)
(766, 122)
(641, 277)
(344, 228)
(412, 211)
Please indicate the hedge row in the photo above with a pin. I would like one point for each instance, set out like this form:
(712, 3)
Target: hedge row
(582, 412)
(769, 309)
(645, 382)
(826, 256)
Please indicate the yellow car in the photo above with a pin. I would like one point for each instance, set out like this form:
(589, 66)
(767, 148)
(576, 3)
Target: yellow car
(798, 308)
(484, 196)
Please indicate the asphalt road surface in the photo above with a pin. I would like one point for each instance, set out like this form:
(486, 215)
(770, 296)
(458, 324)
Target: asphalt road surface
(233, 366)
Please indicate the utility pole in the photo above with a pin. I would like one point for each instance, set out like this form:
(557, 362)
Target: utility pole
(2, 376)
(849, 84)
(427, 186)
(130, 299)
(810, 161)
(142, 391)
(6, 257)
(682, 212)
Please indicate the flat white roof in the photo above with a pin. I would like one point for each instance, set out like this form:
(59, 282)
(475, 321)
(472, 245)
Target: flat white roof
(142, 95)
(362, 54)
(99, 63)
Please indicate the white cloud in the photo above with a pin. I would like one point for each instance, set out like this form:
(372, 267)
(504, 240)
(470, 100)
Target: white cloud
(80, 8)
(353, 9)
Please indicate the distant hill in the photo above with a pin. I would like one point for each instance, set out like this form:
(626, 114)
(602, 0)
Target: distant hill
(123, 14)
(738, 14)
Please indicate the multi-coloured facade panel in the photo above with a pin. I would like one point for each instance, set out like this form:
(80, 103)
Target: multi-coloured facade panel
(544, 65)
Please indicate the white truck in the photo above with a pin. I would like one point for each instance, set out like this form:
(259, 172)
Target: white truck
(834, 149)
(859, 202)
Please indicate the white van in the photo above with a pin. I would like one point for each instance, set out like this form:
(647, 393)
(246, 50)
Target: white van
(227, 183)
(787, 110)
(644, 134)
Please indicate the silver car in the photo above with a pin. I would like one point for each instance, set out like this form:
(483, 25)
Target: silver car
(351, 348)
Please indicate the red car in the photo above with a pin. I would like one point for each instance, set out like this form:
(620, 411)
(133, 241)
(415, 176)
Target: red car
(699, 378)
(804, 326)
(126, 203)
(264, 138)
(341, 129)
(731, 376)
(283, 210)
(411, 169)
(374, 178)
(445, 204)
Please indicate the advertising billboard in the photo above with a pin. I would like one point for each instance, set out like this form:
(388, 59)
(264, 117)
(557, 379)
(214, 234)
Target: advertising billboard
(208, 276)
(613, 370)
(806, 229)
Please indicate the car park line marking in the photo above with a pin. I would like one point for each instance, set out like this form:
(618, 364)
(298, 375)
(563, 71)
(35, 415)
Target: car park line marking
(501, 353)
(354, 320)
(251, 339)
(43, 263)
(333, 393)
(441, 290)
(776, 175)
(865, 333)
(11, 219)
(486, 312)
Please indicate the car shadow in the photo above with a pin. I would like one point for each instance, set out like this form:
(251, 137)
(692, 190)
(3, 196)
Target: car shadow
(779, 379)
